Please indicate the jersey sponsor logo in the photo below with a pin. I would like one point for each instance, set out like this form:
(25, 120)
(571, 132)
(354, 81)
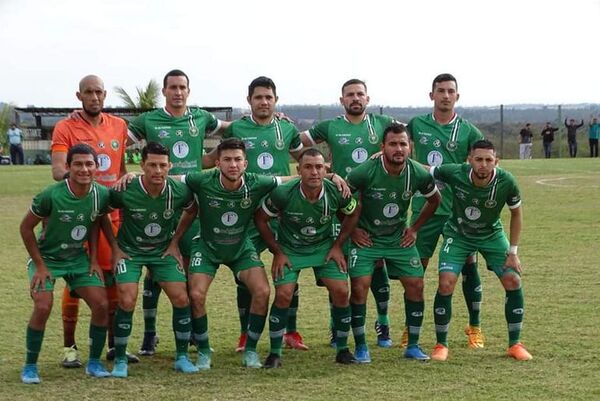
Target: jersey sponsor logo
(167, 214)
(358, 140)
(249, 145)
(435, 158)
(390, 210)
(231, 204)
(179, 132)
(163, 134)
(460, 195)
(181, 149)
(104, 162)
(309, 231)
(137, 216)
(101, 145)
(214, 203)
(80, 217)
(114, 144)
(437, 143)
(359, 155)
(343, 141)
(490, 203)
(475, 201)
(78, 233)
(65, 218)
(229, 218)
(393, 195)
(472, 213)
(376, 195)
(310, 220)
(264, 143)
(265, 160)
(152, 229)
(153, 216)
(423, 140)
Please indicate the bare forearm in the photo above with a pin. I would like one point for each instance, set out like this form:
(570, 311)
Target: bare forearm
(427, 211)
(516, 222)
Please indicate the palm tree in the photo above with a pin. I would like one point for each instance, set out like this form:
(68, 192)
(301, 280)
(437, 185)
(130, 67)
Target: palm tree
(147, 98)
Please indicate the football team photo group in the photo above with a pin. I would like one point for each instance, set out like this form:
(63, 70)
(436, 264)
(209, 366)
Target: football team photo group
(362, 203)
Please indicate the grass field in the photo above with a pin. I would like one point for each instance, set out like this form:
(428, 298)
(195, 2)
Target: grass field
(559, 252)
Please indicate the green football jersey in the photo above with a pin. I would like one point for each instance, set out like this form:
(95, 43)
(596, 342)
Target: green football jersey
(386, 198)
(267, 146)
(68, 219)
(351, 144)
(149, 223)
(476, 210)
(184, 135)
(224, 214)
(435, 144)
(306, 227)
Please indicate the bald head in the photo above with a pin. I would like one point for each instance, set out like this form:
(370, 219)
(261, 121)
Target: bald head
(90, 80)
(91, 94)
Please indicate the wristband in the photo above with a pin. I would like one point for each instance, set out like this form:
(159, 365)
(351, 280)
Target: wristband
(513, 250)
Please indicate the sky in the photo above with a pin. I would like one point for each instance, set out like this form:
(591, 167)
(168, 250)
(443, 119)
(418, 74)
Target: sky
(501, 52)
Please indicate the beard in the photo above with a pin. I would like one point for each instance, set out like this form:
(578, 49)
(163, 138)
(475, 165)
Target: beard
(92, 112)
(355, 112)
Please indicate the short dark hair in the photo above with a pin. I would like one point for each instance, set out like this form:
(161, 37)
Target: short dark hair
(263, 82)
(353, 81)
(310, 152)
(175, 73)
(443, 78)
(81, 149)
(394, 128)
(154, 148)
(483, 144)
(231, 143)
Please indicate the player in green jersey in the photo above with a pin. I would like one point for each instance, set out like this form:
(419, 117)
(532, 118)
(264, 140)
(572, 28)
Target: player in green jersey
(386, 185)
(150, 205)
(438, 138)
(70, 210)
(352, 139)
(305, 208)
(480, 191)
(182, 130)
(227, 197)
(269, 143)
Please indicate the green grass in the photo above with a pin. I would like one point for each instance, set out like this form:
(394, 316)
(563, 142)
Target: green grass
(559, 253)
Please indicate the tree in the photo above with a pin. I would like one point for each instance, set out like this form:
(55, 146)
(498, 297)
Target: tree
(147, 98)
(5, 113)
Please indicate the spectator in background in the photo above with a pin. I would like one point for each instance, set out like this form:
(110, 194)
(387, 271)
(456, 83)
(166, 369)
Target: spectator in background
(548, 138)
(525, 145)
(572, 135)
(594, 132)
(136, 156)
(15, 139)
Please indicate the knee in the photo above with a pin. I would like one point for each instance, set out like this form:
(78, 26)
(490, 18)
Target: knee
(100, 306)
(339, 295)
(198, 296)
(446, 286)
(511, 281)
(42, 308)
(262, 293)
(359, 292)
(283, 297)
(180, 300)
(414, 290)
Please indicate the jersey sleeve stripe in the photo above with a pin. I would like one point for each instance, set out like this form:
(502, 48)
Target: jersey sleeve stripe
(133, 136)
(300, 147)
(35, 214)
(217, 128)
(516, 205)
(267, 211)
(431, 193)
(310, 138)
